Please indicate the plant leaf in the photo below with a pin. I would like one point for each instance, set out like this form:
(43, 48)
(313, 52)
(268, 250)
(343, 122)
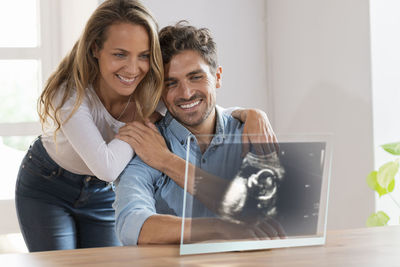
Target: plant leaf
(391, 186)
(371, 180)
(373, 184)
(392, 148)
(386, 173)
(378, 219)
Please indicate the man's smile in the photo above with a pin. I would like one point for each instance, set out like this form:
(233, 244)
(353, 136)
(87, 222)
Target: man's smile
(190, 105)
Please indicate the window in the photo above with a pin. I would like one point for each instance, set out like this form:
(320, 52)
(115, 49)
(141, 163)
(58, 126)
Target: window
(28, 53)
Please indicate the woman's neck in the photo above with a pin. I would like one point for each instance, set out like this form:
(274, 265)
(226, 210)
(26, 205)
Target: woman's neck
(120, 107)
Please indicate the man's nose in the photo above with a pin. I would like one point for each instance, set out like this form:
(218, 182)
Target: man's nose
(186, 91)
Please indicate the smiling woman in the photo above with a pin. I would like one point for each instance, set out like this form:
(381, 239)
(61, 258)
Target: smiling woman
(63, 194)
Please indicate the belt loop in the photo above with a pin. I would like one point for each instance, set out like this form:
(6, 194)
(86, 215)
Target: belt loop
(59, 172)
(112, 185)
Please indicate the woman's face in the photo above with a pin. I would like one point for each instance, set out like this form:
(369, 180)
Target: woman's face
(123, 60)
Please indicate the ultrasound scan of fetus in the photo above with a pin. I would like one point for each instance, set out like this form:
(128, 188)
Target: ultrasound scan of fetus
(252, 195)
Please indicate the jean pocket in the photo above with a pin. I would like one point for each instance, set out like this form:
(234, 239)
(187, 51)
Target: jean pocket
(38, 167)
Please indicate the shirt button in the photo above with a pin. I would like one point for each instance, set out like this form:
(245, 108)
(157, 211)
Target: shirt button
(203, 160)
(88, 178)
(182, 142)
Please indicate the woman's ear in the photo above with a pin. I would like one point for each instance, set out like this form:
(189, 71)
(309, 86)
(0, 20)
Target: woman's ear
(218, 76)
(95, 50)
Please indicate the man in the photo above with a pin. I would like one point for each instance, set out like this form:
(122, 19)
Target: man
(148, 203)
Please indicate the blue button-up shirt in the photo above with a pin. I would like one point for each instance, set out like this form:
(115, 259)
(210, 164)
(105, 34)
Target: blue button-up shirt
(142, 191)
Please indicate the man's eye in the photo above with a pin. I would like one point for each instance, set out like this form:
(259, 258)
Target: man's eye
(170, 84)
(196, 77)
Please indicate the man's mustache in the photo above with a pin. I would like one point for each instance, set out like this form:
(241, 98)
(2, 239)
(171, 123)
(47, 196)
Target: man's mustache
(185, 100)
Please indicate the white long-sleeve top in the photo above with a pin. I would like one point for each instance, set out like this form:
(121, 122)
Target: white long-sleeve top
(86, 143)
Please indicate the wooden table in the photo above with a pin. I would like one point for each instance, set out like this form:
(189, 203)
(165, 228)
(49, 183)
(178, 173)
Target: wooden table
(356, 247)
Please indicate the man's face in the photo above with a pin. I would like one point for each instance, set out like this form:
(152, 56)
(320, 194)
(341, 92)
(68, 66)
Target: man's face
(190, 89)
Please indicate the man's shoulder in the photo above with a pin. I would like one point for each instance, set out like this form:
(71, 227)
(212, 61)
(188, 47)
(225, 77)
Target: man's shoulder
(230, 124)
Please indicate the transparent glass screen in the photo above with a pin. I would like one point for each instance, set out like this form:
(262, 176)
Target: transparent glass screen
(242, 196)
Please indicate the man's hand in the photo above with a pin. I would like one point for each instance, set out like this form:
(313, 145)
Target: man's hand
(206, 229)
(257, 131)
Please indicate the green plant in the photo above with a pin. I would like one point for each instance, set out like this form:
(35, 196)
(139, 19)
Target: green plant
(383, 182)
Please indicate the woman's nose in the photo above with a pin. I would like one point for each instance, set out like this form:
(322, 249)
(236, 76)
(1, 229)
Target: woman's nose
(132, 66)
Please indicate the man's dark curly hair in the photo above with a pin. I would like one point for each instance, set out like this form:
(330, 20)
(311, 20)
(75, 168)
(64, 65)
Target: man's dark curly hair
(180, 37)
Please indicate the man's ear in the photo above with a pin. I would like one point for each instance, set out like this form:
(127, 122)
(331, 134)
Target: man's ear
(218, 76)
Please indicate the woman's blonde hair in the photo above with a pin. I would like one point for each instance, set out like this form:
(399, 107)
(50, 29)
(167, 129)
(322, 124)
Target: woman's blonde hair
(79, 68)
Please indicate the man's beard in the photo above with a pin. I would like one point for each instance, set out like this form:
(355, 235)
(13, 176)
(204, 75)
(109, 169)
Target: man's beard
(189, 119)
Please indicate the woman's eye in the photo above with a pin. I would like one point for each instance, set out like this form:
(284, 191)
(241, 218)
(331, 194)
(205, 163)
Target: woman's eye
(145, 56)
(120, 55)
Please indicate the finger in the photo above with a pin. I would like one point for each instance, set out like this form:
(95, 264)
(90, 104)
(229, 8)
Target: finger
(260, 234)
(257, 148)
(266, 147)
(139, 125)
(278, 227)
(128, 127)
(250, 233)
(267, 227)
(152, 126)
(132, 132)
(131, 141)
(141, 129)
(245, 145)
(130, 136)
(269, 148)
(276, 144)
(267, 139)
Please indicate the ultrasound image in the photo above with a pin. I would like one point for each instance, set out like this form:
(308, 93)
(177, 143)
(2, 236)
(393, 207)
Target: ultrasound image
(252, 194)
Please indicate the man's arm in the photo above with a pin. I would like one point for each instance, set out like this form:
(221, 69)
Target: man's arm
(166, 229)
(161, 229)
(134, 201)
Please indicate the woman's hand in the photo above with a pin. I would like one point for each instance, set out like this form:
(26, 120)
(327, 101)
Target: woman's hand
(147, 142)
(257, 131)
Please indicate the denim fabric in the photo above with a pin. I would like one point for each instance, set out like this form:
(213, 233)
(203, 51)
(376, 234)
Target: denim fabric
(58, 209)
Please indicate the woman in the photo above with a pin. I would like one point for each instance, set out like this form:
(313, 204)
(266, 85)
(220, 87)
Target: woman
(112, 76)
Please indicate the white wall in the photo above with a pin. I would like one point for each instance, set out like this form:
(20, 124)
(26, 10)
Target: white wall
(73, 17)
(319, 76)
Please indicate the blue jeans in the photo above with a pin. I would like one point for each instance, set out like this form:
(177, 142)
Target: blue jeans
(58, 209)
